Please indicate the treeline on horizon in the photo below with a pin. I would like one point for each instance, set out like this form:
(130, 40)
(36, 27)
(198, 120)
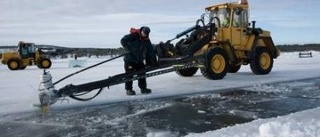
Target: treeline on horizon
(118, 51)
(297, 47)
(64, 52)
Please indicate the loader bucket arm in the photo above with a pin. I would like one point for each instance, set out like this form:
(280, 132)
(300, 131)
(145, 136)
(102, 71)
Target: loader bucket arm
(206, 32)
(190, 29)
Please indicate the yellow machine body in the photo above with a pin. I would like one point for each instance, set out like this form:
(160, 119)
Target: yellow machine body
(26, 55)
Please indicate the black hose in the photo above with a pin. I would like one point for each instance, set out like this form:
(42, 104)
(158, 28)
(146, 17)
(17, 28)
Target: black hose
(200, 20)
(85, 99)
(88, 68)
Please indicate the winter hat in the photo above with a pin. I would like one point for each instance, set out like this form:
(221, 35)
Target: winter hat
(146, 30)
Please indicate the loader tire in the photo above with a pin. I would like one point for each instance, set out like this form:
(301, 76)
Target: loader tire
(262, 61)
(44, 63)
(188, 72)
(234, 69)
(216, 64)
(14, 64)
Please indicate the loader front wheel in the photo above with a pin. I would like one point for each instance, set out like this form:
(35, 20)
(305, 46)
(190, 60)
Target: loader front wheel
(14, 64)
(262, 61)
(44, 63)
(216, 64)
(188, 72)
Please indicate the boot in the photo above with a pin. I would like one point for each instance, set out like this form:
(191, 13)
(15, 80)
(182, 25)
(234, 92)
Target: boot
(131, 92)
(145, 91)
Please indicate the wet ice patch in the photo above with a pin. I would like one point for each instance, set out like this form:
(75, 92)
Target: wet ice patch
(202, 96)
(244, 114)
(302, 85)
(118, 120)
(287, 87)
(269, 88)
(298, 84)
(94, 119)
(201, 112)
(161, 134)
(276, 89)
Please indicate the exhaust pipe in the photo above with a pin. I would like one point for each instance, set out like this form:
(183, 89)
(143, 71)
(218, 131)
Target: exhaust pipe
(47, 93)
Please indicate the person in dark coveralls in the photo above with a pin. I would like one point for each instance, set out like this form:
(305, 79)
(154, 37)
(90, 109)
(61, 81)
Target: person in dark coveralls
(140, 54)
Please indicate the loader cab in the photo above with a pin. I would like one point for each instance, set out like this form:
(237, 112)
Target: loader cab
(27, 50)
(232, 22)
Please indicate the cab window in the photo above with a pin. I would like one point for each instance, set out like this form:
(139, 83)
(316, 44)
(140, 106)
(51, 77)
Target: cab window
(31, 48)
(223, 15)
(244, 19)
(236, 18)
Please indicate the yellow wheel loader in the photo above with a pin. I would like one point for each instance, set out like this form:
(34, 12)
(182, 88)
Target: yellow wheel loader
(26, 55)
(227, 40)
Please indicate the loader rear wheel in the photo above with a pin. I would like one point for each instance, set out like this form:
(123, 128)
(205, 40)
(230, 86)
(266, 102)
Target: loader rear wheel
(262, 61)
(234, 69)
(188, 72)
(216, 64)
(14, 64)
(44, 63)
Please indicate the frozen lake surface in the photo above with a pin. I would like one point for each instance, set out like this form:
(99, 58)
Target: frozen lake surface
(170, 116)
(282, 103)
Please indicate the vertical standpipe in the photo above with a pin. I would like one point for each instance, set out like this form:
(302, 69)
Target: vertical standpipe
(46, 91)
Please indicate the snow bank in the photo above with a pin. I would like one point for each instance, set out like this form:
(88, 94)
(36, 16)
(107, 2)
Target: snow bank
(300, 124)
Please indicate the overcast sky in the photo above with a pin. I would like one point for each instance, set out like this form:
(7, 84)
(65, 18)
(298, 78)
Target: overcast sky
(102, 23)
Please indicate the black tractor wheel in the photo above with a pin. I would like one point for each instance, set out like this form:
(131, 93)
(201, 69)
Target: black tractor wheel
(234, 69)
(188, 72)
(216, 64)
(262, 61)
(14, 64)
(44, 63)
